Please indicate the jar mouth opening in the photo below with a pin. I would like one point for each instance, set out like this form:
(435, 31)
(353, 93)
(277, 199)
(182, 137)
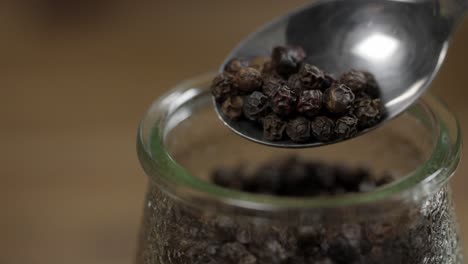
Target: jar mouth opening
(179, 183)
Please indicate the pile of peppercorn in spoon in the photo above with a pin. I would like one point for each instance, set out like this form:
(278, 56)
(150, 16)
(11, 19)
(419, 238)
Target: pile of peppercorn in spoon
(289, 98)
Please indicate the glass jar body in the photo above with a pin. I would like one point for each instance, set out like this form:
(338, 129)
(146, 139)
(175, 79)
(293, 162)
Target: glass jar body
(174, 233)
(189, 220)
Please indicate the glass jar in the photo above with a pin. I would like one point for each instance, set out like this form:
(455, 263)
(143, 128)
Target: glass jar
(187, 219)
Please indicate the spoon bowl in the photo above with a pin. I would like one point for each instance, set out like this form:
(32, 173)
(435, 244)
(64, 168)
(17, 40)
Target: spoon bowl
(402, 42)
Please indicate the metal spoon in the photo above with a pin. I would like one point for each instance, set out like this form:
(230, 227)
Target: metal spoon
(402, 42)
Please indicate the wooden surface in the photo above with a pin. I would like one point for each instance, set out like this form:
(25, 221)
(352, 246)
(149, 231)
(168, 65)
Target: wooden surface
(75, 82)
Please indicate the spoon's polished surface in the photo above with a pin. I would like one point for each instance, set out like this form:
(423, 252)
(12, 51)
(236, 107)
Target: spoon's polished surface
(402, 42)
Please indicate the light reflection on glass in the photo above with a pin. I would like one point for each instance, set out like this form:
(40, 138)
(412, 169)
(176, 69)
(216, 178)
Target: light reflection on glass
(174, 102)
(376, 47)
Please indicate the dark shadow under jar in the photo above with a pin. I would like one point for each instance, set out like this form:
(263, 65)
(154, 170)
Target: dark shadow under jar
(187, 219)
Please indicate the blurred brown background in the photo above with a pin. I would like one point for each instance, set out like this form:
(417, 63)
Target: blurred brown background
(77, 76)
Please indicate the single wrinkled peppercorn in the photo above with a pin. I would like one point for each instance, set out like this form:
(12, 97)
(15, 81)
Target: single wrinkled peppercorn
(248, 80)
(298, 129)
(338, 99)
(273, 127)
(234, 65)
(283, 101)
(372, 87)
(232, 107)
(354, 80)
(271, 83)
(310, 102)
(223, 86)
(295, 84)
(255, 105)
(286, 60)
(259, 63)
(368, 112)
(322, 128)
(311, 77)
(346, 127)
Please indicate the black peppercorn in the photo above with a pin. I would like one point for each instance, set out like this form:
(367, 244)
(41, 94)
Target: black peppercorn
(341, 251)
(350, 178)
(286, 60)
(338, 99)
(360, 97)
(372, 87)
(322, 128)
(255, 105)
(234, 65)
(292, 176)
(326, 176)
(354, 80)
(273, 127)
(346, 127)
(309, 237)
(271, 83)
(298, 129)
(310, 102)
(298, 181)
(285, 85)
(232, 107)
(295, 84)
(267, 180)
(283, 101)
(249, 80)
(311, 77)
(223, 86)
(368, 112)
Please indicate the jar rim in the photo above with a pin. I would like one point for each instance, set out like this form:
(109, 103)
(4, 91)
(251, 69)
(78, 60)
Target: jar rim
(179, 183)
